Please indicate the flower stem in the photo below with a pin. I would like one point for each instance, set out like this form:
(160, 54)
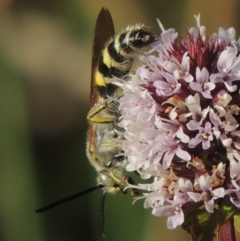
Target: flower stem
(227, 232)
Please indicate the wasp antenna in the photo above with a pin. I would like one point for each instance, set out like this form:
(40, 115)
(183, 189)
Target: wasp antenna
(67, 199)
(102, 215)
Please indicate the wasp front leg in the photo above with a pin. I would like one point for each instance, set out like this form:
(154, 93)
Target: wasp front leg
(105, 111)
(135, 192)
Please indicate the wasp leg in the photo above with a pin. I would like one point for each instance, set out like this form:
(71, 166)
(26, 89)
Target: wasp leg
(103, 112)
(134, 192)
(111, 144)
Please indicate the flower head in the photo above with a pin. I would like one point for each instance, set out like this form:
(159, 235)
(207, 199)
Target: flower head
(180, 112)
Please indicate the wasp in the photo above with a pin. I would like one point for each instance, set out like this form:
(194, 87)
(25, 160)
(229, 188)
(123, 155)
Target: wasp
(112, 58)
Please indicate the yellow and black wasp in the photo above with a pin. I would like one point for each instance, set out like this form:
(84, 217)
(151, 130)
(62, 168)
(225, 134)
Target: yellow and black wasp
(113, 56)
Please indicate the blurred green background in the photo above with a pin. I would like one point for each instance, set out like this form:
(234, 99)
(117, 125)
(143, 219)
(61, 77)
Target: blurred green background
(45, 59)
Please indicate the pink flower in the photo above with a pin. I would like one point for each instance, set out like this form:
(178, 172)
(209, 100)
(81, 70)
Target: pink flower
(198, 115)
(205, 136)
(168, 86)
(203, 85)
(176, 216)
(207, 195)
(229, 68)
(181, 114)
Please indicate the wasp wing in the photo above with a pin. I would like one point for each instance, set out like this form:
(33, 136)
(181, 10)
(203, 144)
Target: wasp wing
(104, 30)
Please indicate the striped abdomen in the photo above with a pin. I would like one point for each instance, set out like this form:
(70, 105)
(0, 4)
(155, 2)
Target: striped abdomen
(118, 55)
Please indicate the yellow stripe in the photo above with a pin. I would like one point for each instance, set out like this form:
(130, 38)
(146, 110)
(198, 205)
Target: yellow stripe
(99, 79)
(107, 60)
